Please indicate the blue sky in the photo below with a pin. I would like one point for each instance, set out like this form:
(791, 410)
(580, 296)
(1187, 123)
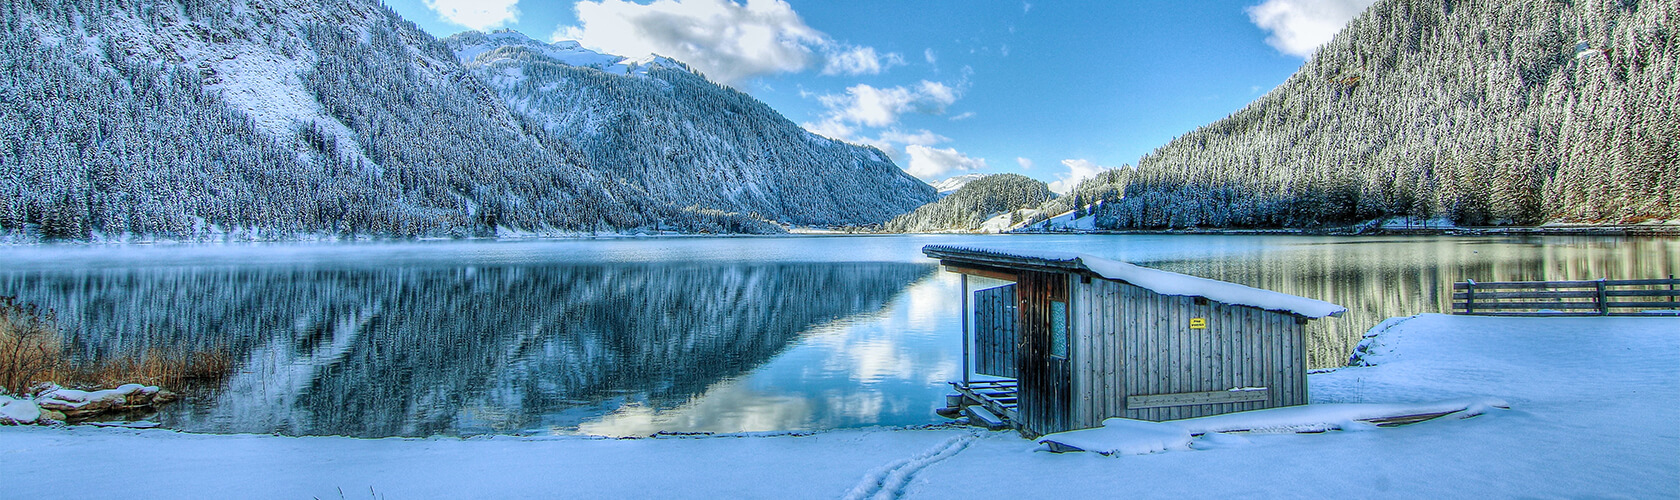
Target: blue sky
(1052, 90)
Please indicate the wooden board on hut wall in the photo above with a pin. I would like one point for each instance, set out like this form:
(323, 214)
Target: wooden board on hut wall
(1246, 395)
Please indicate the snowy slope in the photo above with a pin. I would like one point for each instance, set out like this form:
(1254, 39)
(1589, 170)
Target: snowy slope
(684, 140)
(951, 185)
(468, 47)
(1066, 221)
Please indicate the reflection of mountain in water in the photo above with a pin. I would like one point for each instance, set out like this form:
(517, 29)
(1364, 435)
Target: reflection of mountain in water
(1377, 279)
(420, 351)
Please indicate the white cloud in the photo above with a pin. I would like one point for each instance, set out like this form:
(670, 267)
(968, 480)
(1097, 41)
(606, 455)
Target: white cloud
(832, 128)
(1078, 170)
(931, 57)
(852, 115)
(963, 116)
(879, 107)
(728, 41)
(1024, 162)
(918, 138)
(1026, 7)
(860, 61)
(1299, 27)
(481, 15)
(929, 163)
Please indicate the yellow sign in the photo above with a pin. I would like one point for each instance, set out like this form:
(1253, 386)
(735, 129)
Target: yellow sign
(1198, 323)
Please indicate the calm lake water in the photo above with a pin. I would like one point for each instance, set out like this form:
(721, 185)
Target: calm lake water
(636, 336)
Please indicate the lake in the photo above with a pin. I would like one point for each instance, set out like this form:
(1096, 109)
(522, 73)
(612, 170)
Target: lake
(641, 335)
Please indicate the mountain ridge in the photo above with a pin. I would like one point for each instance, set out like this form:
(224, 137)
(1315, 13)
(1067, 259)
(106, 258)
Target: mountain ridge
(670, 131)
(288, 119)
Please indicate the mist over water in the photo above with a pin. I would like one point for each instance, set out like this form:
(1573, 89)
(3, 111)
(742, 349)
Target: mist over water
(636, 336)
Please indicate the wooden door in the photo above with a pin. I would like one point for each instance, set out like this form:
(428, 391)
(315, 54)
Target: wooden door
(1045, 371)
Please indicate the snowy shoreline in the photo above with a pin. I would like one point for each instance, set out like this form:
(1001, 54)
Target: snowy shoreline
(1625, 231)
(1590, 399)
(1639, 230)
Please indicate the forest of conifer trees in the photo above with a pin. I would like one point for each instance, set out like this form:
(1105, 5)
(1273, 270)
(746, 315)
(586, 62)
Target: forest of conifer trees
(1483, 112)
(971, 205)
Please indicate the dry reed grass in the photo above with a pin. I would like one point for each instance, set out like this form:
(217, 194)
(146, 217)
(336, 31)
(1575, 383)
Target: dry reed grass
(151, 367)
(28, 344)
(30, 354)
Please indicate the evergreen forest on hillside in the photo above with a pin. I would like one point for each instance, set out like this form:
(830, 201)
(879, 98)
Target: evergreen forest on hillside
(1479, 111)
(975, 202)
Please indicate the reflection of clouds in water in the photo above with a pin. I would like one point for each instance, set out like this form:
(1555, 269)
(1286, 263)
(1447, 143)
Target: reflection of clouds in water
(931, 302)
(729, 406)
(858, 407)
(873, 359)
(883, 368)
(944, 370)
(874, 351)
(877, 352)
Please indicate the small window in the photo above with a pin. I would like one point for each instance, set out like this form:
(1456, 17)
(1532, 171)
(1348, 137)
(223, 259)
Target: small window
(1058, 329)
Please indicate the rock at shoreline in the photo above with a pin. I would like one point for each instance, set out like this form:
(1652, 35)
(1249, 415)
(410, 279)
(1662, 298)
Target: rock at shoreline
(18, 411)
(70, 405)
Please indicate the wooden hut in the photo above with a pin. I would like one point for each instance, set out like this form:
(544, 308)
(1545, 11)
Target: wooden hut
(1067, 340)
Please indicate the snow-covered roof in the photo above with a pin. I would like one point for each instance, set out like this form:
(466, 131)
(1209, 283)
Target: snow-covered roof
(1156, 280)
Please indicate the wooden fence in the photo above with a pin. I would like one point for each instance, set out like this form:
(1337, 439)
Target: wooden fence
(1568, 298)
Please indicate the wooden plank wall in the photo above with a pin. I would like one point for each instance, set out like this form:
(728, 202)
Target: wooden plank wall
(1045, 383)
(1129, 341)
(995, 341)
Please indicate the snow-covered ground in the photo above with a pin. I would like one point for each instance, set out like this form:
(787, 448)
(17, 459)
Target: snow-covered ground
(1417, 223)
(1066, 221)
(951, 185)
(1592, 414)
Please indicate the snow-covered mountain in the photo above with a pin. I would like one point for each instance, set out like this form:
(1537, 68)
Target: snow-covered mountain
(469, 46)
(684, 140)
(279, 119)
(951, 185)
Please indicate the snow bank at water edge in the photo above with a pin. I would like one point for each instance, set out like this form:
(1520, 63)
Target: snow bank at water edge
(1126, 436)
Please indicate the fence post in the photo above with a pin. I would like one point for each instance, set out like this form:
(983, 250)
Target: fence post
(1469, 297)
(1603, 302)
